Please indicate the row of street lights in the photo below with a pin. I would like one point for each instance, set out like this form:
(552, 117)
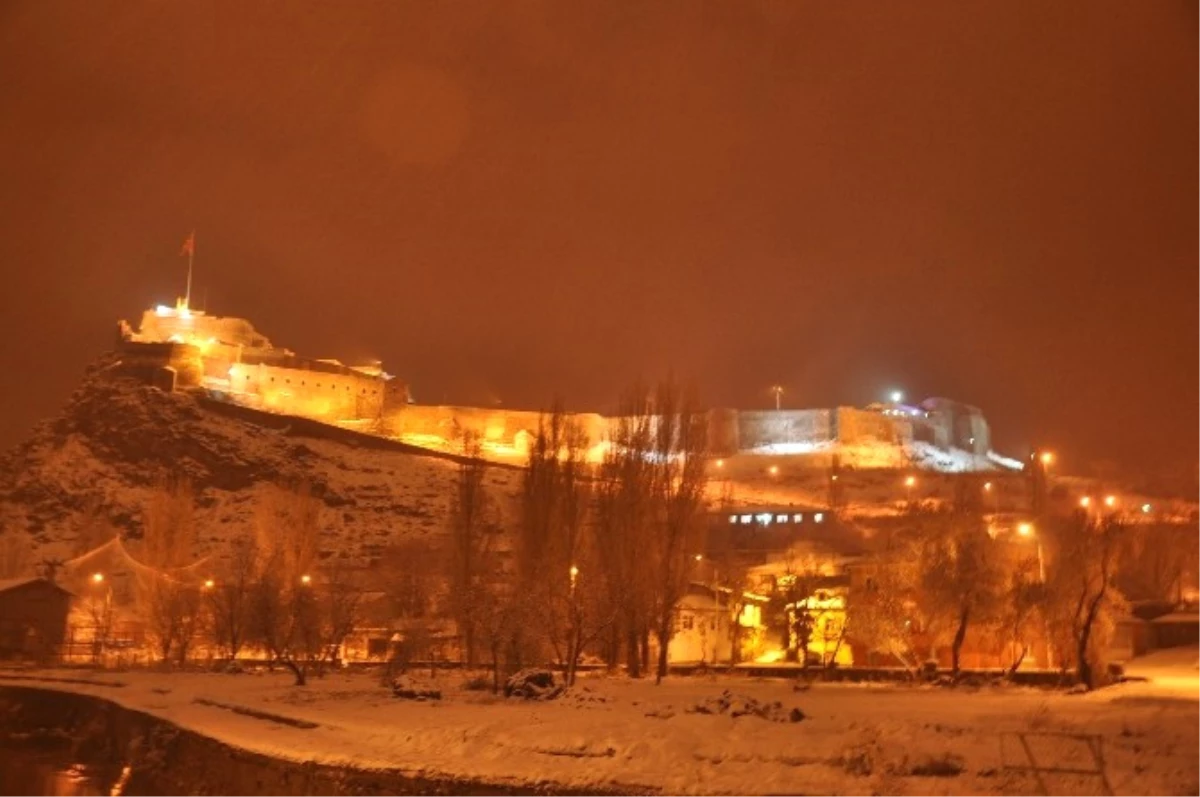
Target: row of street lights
(306, 579)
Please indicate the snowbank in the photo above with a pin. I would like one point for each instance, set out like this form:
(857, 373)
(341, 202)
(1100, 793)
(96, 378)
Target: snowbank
(632, 736)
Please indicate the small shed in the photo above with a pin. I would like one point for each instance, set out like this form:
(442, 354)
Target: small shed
(1176, 629)
(33, 617)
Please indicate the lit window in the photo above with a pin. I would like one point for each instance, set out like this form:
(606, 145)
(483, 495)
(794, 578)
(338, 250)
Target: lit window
(798, 518)
(747, 519)
(764, 518)
(733, 519)
(781, 518)
(818, 517)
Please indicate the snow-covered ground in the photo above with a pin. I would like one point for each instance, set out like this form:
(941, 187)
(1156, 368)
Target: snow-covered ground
(614, 732)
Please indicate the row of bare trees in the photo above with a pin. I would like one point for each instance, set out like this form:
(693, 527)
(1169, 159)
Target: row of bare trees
(267, 591)
(943, 576)
(599, 553)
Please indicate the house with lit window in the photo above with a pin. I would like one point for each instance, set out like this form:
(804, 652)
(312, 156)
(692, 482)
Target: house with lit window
(704, 626)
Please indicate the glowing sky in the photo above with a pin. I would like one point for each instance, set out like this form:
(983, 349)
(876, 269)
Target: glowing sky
(994, 201)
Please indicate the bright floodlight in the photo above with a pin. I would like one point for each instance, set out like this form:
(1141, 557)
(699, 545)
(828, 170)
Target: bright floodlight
(773, 470)
(910, 481)
(987, 487)
(1146, 508)
(897, 396)
(208, 583)
(720, 463)
(1025, 529)
(1047, 457)
(1110, 500)
(97, 577)
(305, 579)
(1085, 501)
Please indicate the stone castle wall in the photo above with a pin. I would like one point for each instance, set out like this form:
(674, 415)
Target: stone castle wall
(760, 428)
(176, 347)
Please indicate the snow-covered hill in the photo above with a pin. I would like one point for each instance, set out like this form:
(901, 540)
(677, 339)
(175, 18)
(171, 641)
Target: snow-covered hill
(116, 438)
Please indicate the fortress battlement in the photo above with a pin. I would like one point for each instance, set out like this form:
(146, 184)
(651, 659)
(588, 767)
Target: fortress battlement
(177, 348)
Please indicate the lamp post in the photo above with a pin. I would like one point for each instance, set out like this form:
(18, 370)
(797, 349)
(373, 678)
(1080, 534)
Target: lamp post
(777, 390)
(101, 611)
(1027, 530)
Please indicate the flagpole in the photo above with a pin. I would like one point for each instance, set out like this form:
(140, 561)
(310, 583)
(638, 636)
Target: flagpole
(187, 298)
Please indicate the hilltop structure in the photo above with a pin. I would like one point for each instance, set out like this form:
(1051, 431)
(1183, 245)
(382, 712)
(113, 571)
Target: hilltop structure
(178, 348)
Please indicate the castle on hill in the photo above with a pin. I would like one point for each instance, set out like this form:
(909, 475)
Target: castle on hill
(179, 348)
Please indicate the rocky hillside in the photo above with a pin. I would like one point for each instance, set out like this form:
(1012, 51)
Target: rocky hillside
(117, 438)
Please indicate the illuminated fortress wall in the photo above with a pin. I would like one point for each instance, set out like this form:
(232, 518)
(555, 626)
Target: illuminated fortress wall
(307, 392)
(762, 428)
(181, 348)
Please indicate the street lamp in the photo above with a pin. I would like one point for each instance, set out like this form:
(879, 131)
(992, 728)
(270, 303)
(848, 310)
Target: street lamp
(1086, 501)
(208, 583)
(1145, 509)
(720, 463)
(1110, 501)
(778, 391)
(773, 470)
(1027, 530)
(306, 579)
(97, 578)
(1047, 457)
(897, 396)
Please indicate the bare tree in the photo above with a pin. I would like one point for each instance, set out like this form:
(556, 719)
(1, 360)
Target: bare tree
(229, 597)
(558, 574)
(1020, 606)
(1082, 584)
(877, 613)
(411, 573)
(470, 521)
(961, 574)
(284, 609)
(1160, 561)
(680, 479)
(340, 594)
(168, 602)
(624, 514)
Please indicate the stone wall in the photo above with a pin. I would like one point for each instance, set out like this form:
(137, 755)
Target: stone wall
(863, 426)
(505, 426)
(759, 428)
(313, 394)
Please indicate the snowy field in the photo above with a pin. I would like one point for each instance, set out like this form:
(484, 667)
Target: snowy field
(612, 732)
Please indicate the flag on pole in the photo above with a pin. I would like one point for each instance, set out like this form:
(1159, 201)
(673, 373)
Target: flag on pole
(189, 245)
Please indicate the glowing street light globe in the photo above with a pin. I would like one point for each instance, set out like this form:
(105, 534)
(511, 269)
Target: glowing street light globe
(897, 396)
